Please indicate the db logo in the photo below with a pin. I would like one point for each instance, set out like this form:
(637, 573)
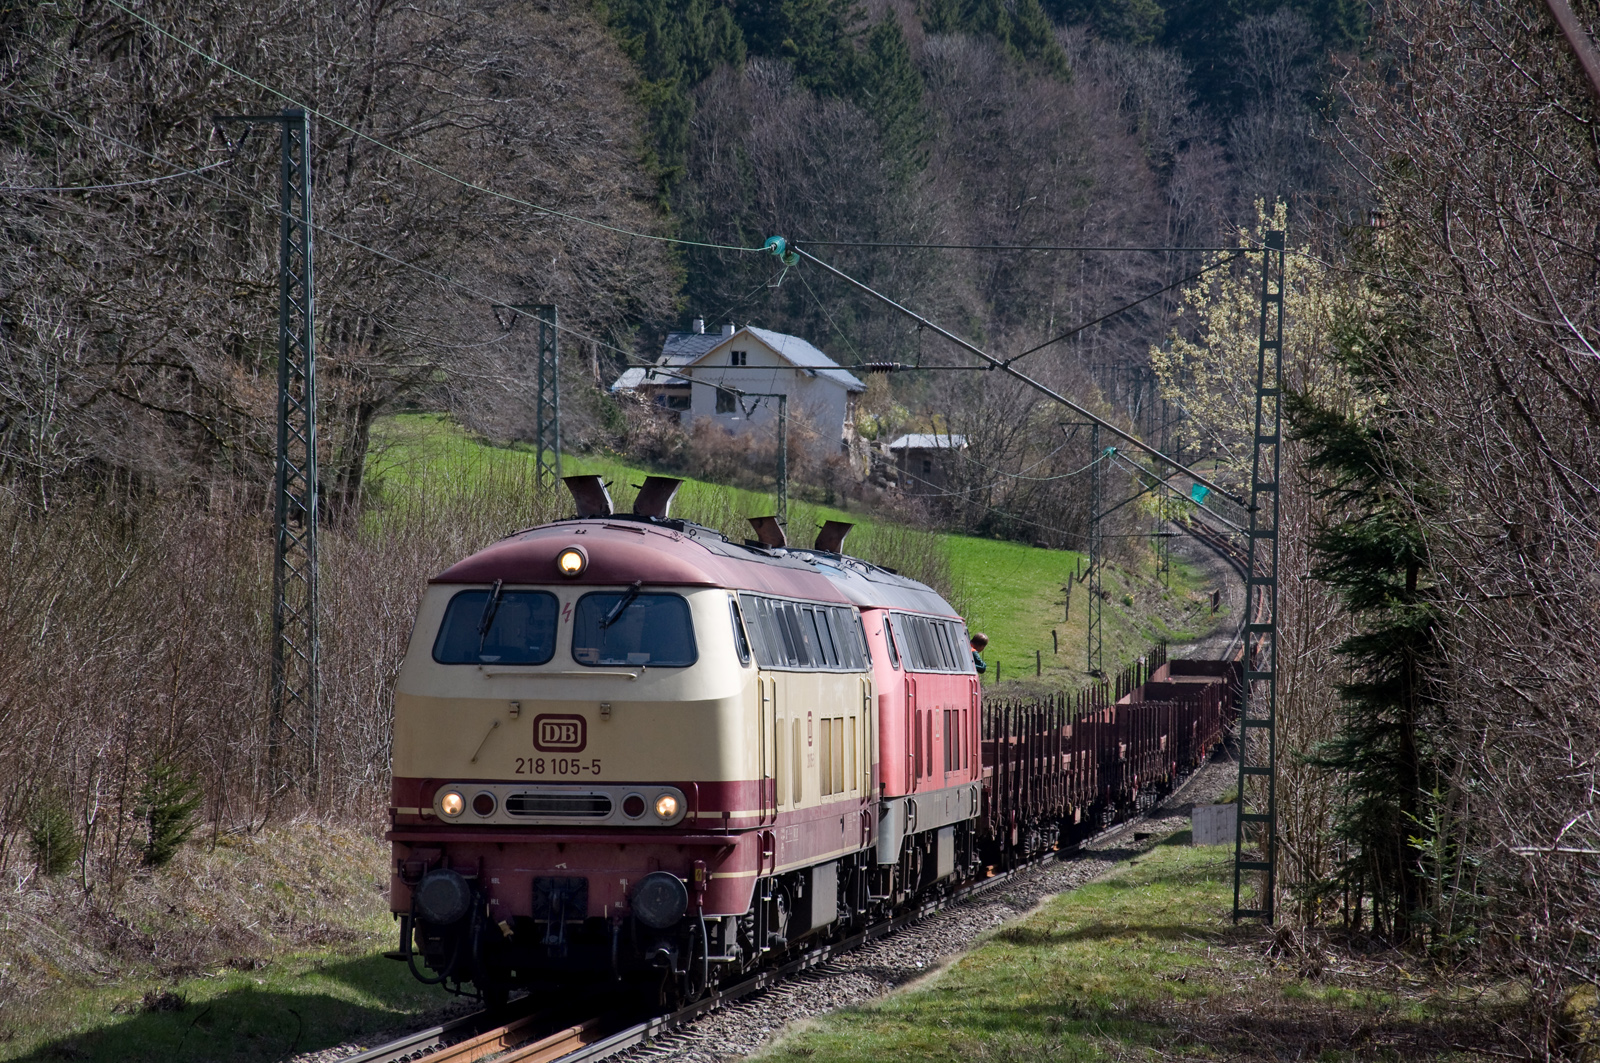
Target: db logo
(560, 734)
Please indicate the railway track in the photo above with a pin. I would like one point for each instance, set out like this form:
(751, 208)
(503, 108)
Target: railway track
(1220, 542)
(531, 1039)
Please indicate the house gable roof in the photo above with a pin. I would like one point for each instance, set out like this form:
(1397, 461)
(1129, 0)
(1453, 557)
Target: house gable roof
(682, 349)
(792, 349)
(928, 441)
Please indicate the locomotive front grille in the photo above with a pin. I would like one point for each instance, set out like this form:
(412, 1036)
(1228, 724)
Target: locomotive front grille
(562, 805)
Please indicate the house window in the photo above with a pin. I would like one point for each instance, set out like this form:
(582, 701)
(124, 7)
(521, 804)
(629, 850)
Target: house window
(725, 403)
(739, 358)
(927, 466)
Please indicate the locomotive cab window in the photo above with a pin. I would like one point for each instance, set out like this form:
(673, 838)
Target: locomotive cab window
(633, 628)
(497, 626)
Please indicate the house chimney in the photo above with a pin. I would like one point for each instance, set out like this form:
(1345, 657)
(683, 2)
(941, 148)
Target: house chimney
(655, 497)
(699, 326)
(590, 493)
(727, 330)
(768, 531)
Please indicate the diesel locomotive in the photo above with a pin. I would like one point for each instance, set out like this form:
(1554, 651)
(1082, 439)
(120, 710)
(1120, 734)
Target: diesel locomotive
(630, 749)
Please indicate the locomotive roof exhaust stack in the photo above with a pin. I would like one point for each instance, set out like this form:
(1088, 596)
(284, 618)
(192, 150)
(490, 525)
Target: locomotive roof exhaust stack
(655, 497)
(768, 531)
(590, 493)
(831, 537)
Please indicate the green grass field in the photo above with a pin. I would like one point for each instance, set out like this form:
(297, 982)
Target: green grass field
(1010, 591)
(1144, 964)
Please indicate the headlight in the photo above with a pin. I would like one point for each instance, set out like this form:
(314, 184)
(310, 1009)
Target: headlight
(666, 806)
(484, 804)
(451, 804)
(572, 561)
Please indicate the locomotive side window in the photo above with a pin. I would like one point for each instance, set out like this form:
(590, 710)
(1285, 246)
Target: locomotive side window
(927, 644)
(947, 645)
(848, 637)
(794, 649)
(629, 628)
(819, 624)
(858, 635)
(799, 636)
(497, 626)
(888, 637)
(740, 643)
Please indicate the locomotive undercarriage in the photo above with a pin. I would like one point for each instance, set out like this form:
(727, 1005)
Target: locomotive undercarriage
(451, 938)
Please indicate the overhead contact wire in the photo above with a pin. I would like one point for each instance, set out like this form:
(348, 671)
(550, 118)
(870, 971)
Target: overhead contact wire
(1018, 374)
(27, 189)
(1127, 306)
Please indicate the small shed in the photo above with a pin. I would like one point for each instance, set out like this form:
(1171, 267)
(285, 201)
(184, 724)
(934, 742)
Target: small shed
(925, 462)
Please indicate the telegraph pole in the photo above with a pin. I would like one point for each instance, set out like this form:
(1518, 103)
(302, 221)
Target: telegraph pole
(294, 727)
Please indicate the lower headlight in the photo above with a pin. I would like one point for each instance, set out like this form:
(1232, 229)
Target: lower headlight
(666, 806)
(452, 804)
(443, 897)
(660, 900)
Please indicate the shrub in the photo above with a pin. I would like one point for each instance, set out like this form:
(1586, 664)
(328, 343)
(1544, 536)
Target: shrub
(168, 801)
(53, 837)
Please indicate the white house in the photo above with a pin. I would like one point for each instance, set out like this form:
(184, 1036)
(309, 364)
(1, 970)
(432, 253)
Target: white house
(733, 378)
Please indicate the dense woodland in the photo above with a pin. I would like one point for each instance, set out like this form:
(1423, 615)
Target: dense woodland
(1435, 162)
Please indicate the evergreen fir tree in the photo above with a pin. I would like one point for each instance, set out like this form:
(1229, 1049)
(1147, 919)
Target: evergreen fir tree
(889, 88)
(820, 40)
(1375, 553)
(1020, 26)
(1132, 22)
(675, 44)
(1034, 38)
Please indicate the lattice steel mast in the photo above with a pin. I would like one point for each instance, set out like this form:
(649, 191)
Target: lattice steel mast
(293, 723)
(1095, 639)
(1258, 708)
(547, 406)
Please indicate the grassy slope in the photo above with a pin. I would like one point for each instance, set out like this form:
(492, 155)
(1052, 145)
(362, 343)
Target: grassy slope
(252, 949)
(1144, 964)
(1010, 591)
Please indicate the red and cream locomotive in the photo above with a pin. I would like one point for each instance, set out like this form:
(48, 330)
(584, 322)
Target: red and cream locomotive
(627, 747)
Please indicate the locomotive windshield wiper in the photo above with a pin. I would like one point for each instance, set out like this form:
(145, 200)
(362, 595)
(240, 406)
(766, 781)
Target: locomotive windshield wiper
(627, 600)
(491, 607)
